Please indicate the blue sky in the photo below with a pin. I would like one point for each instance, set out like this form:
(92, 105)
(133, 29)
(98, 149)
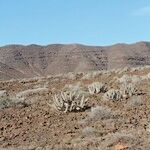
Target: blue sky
(92, 22)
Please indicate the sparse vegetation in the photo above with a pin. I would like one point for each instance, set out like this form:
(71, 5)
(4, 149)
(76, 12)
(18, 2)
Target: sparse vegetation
(106, 121)
(113, 139)
(6, 101)
(125, 79)
(78, 88)
(113, 95)
(128, 89)
(30, 92)
(99, 112)
(3, 94)
(88, 131)
(70, 101)
(97, 87)
(135, 101)
(91, 75)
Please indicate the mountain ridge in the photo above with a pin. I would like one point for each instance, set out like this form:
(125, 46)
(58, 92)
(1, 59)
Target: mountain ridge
(23, 61)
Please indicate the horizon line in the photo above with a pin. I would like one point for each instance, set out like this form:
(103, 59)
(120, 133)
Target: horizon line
(44, 45)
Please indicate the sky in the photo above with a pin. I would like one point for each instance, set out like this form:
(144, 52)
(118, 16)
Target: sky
(90, 22)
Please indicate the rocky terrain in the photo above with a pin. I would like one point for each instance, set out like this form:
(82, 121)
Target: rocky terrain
(17, 61)
(115, 117)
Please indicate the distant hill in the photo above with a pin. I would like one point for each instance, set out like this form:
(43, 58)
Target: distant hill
(17, 61)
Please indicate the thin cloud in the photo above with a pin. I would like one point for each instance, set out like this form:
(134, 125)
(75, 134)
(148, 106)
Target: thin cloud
(144, 11)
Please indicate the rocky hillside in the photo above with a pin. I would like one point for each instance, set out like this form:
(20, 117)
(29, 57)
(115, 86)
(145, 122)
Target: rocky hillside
(17, 61)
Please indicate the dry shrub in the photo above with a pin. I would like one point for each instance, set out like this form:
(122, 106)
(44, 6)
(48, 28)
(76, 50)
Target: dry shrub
(6, 101)
(135, 101)
(30, 92)
(88, 131)
(112, 139)
(99, 113)
(75, 88)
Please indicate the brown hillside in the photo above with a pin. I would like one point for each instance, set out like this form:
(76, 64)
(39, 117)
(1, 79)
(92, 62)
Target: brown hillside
(17, 61)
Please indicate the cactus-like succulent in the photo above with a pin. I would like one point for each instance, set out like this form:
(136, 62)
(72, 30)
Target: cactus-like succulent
(96, 88)
(129, 89)
(113, 95)
(70, 101)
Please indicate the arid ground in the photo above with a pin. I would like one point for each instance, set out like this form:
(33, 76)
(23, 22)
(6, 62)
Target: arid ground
(31, 122)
